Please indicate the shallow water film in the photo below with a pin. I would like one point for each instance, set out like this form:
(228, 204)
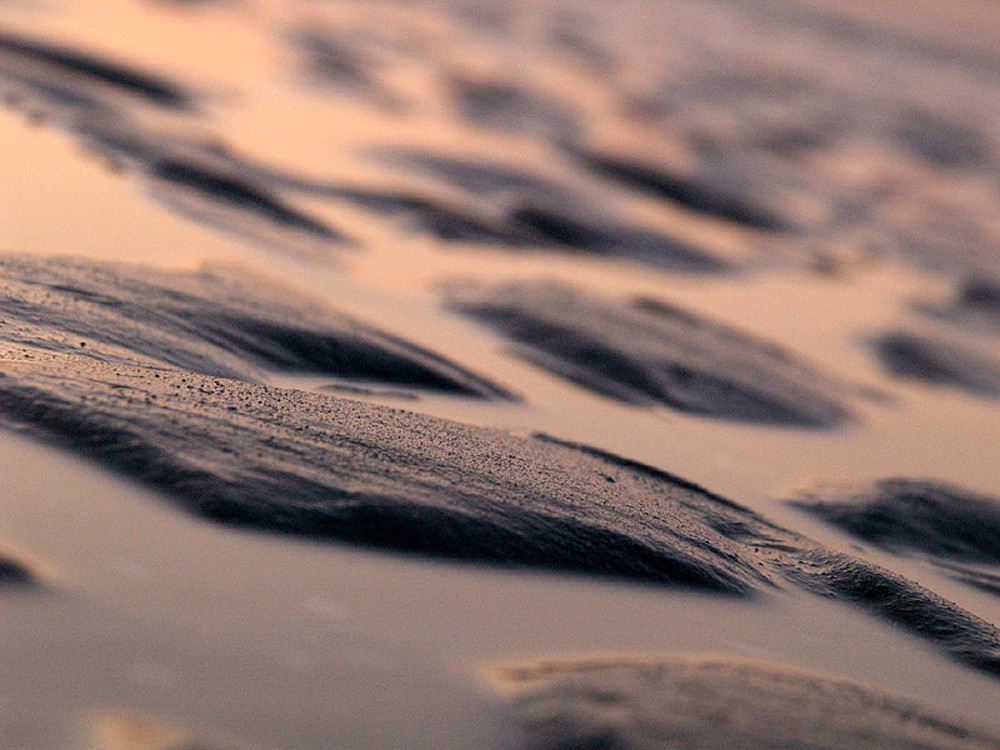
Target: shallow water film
(499, 375)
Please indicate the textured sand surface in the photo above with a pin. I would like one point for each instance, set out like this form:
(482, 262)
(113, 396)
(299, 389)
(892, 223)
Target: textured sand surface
(712, 704)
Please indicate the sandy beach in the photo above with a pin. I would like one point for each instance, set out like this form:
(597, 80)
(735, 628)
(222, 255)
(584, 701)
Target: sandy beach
(499, 376)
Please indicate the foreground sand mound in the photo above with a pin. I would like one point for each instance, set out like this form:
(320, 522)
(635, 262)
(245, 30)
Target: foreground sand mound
(715, 705)
(325, 467)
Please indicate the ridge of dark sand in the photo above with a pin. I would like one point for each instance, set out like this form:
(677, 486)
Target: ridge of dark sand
(445, 220)
(560, 224)
(714, 704)
(15, 574)
(915, 515)
(217, 322)
(330, 57)
(532, 223)
(240, 191)
(538, 212)
(649, 353)
(339, 60)
(477, 176)
(931, 360)
(959, 529)
(54, 67)
(975, 304)
(329, 468)
(207, 181)
(503, 104)
(657, 180)
(981, 294)
(194, 177)
(322, 466)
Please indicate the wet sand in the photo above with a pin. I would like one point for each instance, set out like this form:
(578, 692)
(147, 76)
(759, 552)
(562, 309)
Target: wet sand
(353, 355)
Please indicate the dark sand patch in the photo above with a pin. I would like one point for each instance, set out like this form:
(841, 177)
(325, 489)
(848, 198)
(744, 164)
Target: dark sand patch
(218, 322)
(444, 220)
(559, 225)
(206, 180)
(579, 41)
(329, 468)
(339, 60)
(52, 67)
(959, 529)
(240, 191)
(701, 198)
(534, 225)
(543, 213)
(941, 142)
(910, 515)
(330, 59)
(930, 360)
(229, 196)
(982, 295)
(481, 177)
(975, 305)
(504, 105)
(15, 574)
(971, 576)
(649, 353)
(702, 704)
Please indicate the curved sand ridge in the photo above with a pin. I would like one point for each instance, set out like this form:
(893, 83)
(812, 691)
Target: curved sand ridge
(14, 574)
(325, 467)
(219, 322)
(703, 704)
(101, 100)
(959, 529)
(65, 75)
(936, 518)
(933, 361)
(650, 353)
(98, 99)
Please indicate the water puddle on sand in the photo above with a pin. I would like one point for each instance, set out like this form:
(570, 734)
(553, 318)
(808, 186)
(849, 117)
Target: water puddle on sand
(149, 625)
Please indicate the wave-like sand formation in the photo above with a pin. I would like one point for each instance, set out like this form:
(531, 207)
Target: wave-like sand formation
(325, 467)
(217, 322)
(934, 518)
(931, 360)
(706, 704)
(647, 352)
(14, 574)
